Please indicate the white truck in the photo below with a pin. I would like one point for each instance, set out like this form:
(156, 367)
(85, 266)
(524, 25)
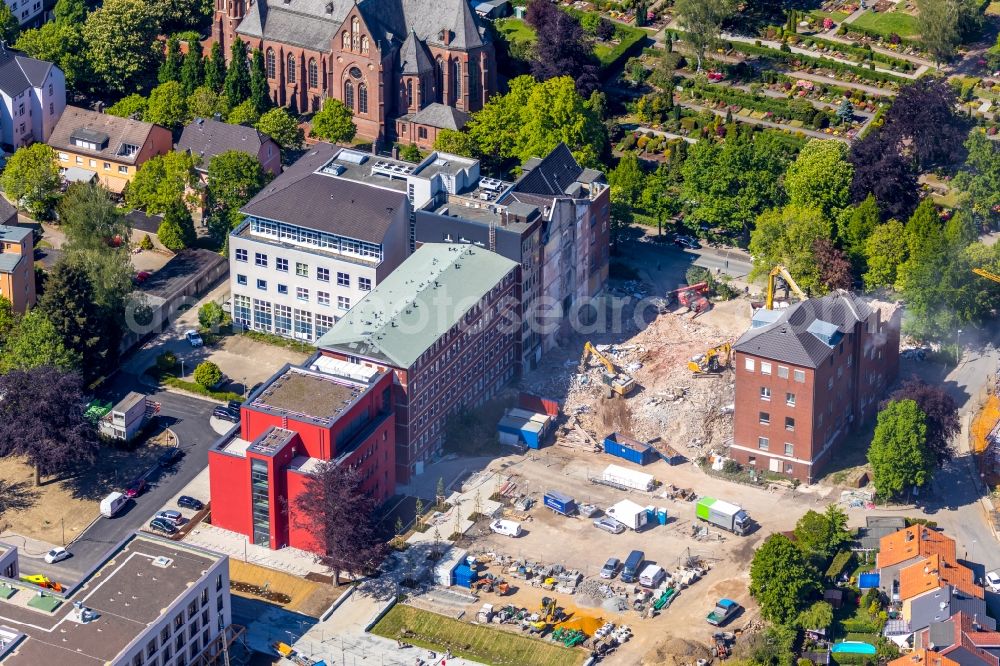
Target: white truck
(629, 514)
(506, 527)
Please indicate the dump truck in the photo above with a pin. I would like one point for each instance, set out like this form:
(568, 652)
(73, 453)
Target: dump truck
(723, 611)
(725, 515)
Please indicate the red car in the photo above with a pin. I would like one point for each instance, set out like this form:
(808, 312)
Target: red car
(136, 488)
(141, 277)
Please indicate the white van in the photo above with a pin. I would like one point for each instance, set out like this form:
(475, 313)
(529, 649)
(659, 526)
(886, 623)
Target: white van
(506, 527)
(652, 576)
(112, 504)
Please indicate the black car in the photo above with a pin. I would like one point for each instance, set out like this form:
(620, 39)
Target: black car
(186, 502)
(235, 405)
(170, 456)
(687, 242)
(161, 525)
(226, 414)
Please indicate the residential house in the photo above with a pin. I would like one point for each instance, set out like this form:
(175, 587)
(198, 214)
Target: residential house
(33, 94)
(808, 375)
(923, 657)
(29, 13)
(93, 145)
(328, 411)
(869, 537)
(17, 265)
(205, 138)
(445, 324)
(381, 59)
(964, 638)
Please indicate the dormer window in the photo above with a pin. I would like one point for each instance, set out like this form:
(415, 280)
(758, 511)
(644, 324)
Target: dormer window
(89, 139)
(127, 150)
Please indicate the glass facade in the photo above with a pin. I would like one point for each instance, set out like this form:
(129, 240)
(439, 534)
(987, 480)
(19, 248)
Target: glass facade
(241, 310)
(307, 237)
(259, 487)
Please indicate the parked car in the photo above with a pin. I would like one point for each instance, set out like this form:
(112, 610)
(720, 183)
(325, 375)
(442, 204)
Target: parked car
(609, 524)
(993, 581)
(136, 488)
(610, 568)
(687, 242)
(226, 414)
(187, 502)
(235, 405)
(170, 515)
(193, 338)
(170, 456)
(163, 526)
(57, 554)
(141, 277)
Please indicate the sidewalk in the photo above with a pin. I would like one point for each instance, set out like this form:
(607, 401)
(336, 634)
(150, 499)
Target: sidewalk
(26, 546)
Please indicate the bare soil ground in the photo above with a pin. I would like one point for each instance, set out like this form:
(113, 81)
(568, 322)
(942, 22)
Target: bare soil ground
(69, 501)
(307, 597)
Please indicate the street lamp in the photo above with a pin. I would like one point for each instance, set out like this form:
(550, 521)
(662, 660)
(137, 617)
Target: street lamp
(182, 368)
(958, 343)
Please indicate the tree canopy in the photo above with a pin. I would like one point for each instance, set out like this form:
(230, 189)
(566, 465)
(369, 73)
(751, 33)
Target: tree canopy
(822, 534)
(234, 177)
(940, 415)
(129, 106)
(782, 580)
(162, 182)
(167, 105)
(176, 231)
(34, 342)
(121, 58)
(561, 47)
(31, 179)
(820, 177)
(237, 81)
(788, 236)
(334, 122)
(282, 127)
(702, 21)
(899, 456)
(61, 43)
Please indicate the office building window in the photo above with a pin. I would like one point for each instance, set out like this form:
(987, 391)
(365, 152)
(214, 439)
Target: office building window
(241, 254)
(302, 270)
(323, 298)
(282, 321)
(301, 293)
(241, 310)
(303, 324)
(323, 324)
(762, 443)
(323, 274)
(343, 279)
(261, 315)
(343, 302)
(282, 288)
(281, 264)
(364, 284)
(241, 279)
(262, 284)
(765, 393)
(260, 259)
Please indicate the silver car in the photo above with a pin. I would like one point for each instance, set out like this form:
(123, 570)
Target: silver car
(609, 524)
(610, 568)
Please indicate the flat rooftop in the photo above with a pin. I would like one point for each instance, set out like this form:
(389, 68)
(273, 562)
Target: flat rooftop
(313, 395)
(128, 593)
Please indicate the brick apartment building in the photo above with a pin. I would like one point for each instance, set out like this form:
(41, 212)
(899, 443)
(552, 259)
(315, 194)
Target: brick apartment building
(808, 375)
(328, 410)
(445, 323)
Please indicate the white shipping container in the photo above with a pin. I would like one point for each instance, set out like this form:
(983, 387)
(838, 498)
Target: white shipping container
(628, 478)
(447, 565)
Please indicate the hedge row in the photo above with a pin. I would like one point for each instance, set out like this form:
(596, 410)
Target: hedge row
(864, 72)
(848, 28)
(781, 108)
(862, 53)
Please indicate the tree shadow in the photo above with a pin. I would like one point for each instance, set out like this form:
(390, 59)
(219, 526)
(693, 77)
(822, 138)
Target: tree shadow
(18, 496)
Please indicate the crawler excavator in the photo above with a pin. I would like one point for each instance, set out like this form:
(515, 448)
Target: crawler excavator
(619, 382)
(712, 362)
(776, 272)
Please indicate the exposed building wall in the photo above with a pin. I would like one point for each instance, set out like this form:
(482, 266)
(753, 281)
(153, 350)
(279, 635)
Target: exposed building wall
(229, 486)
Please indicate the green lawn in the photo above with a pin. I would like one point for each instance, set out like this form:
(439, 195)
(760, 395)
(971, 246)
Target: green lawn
(476, 642)
(887, 23)
(515, 30)
(836, 16)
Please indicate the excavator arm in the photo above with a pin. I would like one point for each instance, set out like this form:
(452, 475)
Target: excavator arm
(986, 274)
(589, 349)
(786, 276)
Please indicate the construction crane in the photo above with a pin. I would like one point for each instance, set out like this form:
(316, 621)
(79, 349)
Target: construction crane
(986, 274)
(783, 272)
(712, 362)
(618, 381)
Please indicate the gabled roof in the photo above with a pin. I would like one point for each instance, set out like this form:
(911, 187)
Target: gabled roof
(934, 572)
(18, 72)
(552, 176)
(923, 658)
(806, 333)
(440, 116)
(915, 541)
(417, 303)
(207, 138)
(966, 638)
(413, 56)
(305, 198)
(115, 132)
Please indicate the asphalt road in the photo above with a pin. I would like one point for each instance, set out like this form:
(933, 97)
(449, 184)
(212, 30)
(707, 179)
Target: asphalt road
(188, 417)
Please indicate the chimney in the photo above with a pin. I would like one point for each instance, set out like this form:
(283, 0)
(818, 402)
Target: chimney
(445, 36)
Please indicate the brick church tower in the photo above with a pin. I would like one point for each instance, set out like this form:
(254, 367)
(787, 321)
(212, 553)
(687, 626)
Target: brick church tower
(228, 14)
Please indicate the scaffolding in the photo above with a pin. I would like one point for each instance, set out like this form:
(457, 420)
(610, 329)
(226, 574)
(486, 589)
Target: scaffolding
(983, 438)
(229, 648)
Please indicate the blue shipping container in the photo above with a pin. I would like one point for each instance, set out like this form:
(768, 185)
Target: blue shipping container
(464, 576)
(630, 449)
(559, 502)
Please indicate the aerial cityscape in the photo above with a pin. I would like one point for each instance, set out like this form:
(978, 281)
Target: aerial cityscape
(499, 332)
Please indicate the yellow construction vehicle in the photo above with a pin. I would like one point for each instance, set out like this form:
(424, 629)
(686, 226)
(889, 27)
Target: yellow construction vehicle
(712, 362)
(618, 381)
(986, 274)
(783, 272)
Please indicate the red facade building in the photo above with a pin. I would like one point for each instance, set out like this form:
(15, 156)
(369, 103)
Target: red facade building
(382, 59)
(326, 411)
(808, 375)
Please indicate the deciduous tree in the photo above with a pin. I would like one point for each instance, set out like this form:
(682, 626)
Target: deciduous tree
(9, 25)
(854, 226)
(787, 236)
(627, 180)
(34, 342)
(130, 106)
(205, 103)
(176, 231)
(561, 47)
(167, 105)
(881, 171)
(822, 534)
(282, 127)
(70, 12)
(211, 315)
(119, 37)
(243, 113)
(922, 123)
(234, 177)
(940, 415)
(455, 142)
(781, 579)
(834, 267)
(899, 456)
(938, 27)
(884, 250)
(41, 418)
(31, 179)
(339, 516)
(162, 182)
(61, 43)
(820, 177)
(980, 177)
(817, 616)
(237, 83)
(702, 20)
(207, 374)
(334, 122)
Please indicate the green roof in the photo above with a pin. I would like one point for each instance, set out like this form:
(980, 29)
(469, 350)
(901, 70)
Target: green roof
(417, 303)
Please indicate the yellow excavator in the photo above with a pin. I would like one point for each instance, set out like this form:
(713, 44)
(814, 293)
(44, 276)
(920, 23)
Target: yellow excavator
(981, 272)
(619, 382)
(784, 274)
(712, 362)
